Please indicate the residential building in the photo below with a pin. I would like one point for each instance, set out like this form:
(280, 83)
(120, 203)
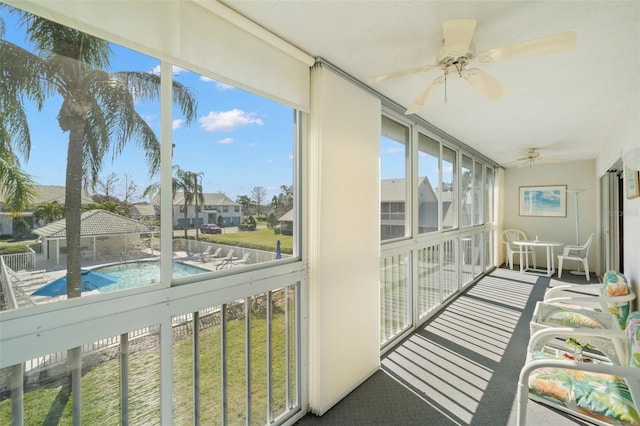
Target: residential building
(212, 208)
(393, 207)
(44, 194)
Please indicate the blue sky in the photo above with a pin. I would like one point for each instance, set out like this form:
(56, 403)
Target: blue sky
(238, 140)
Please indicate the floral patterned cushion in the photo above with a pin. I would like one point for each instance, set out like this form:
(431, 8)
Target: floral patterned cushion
(633, 333)
(615, 284)
(600, 396)
(572, 319)
(595, 395)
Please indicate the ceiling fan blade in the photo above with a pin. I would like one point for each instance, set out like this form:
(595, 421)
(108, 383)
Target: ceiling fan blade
(457, 35)
(540, 46)
(422, 99)
(488, 86)
(401, 73)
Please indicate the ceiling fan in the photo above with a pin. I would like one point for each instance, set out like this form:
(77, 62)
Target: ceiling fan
(458, 51)
(531, 157)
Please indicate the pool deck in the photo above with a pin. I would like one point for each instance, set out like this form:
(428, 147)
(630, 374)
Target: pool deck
(47, 270)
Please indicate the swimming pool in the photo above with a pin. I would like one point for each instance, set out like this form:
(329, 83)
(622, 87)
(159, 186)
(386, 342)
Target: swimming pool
(137, 274)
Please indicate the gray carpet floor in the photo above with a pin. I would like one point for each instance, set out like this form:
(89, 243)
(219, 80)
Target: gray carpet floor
(459, 368)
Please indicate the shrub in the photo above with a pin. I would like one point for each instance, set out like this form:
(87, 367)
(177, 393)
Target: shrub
(14, 249)
(22, 228)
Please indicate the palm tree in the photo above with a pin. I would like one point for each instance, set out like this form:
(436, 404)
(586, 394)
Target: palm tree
(48, 211)
(16, 187)
(184, 181)
(98, 112)
(98, 108)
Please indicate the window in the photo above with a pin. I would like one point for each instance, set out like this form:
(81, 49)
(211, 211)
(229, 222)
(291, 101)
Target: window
(393, 172)
(212, 155)
(488, 198)
(229, 146)
(478, 205)
(428, 185)
(449, 189)
(466, 191)
(240, 152)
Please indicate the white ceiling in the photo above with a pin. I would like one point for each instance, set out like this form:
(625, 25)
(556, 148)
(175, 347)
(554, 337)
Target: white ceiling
(563, 104)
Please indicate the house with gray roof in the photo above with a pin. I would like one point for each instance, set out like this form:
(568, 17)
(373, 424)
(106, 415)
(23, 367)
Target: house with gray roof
(103, 235)
(44, 194)
(393, 207)
(144, 212)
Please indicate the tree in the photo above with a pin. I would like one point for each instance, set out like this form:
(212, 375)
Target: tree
(272, 221)
(97, 111)
(245, 202)
(283, 202)
(107, 186)
(21, 227)
(110, 206)
(185, 181)
(48, 212)
(129, 193)
(98, 108)
(220, 221)
(16, 187)
(258, 195)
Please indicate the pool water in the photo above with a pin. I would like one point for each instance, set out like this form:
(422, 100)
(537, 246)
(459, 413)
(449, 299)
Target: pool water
(137, 274)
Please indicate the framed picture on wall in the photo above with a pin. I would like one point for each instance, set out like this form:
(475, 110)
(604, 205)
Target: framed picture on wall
(549, 201)
(631, 178)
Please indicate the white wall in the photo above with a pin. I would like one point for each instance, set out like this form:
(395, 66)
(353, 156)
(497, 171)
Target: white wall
(343, 170)
(576, 175)
(625, 136)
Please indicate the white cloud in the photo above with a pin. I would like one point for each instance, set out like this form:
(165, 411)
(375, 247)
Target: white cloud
(175, 70)
(393, 150)
(226, 141)
(228, 120)
(177, 123)
(220, 86)
(269, 161)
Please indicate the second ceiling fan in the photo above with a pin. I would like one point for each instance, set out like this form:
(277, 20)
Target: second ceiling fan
(458, 52)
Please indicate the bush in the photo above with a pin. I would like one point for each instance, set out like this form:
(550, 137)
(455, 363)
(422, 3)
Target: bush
(248, 224)
(22, 228)
(14, 249)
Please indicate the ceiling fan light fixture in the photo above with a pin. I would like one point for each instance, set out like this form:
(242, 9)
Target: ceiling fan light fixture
(458, 51)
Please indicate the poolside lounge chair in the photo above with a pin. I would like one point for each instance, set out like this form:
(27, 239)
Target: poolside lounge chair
(245, 259)
(226, 261)
(207, 255)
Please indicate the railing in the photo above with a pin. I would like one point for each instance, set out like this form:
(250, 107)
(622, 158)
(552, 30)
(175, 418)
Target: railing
(249, 350)
(257, 256)
(418, 277)
(395, 310)
(20, 261)
(8, 299)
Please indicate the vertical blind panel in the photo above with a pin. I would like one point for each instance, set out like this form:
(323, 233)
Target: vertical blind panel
(193, 37)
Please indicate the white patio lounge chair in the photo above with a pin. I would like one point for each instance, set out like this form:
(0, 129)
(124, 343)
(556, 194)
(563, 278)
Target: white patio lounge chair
(597, 392)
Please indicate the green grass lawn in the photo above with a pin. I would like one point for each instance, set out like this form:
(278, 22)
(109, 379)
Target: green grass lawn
(50, 402)
(262, 239)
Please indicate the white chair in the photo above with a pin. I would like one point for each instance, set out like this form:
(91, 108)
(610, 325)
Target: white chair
(511, 235)
(577, 253)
